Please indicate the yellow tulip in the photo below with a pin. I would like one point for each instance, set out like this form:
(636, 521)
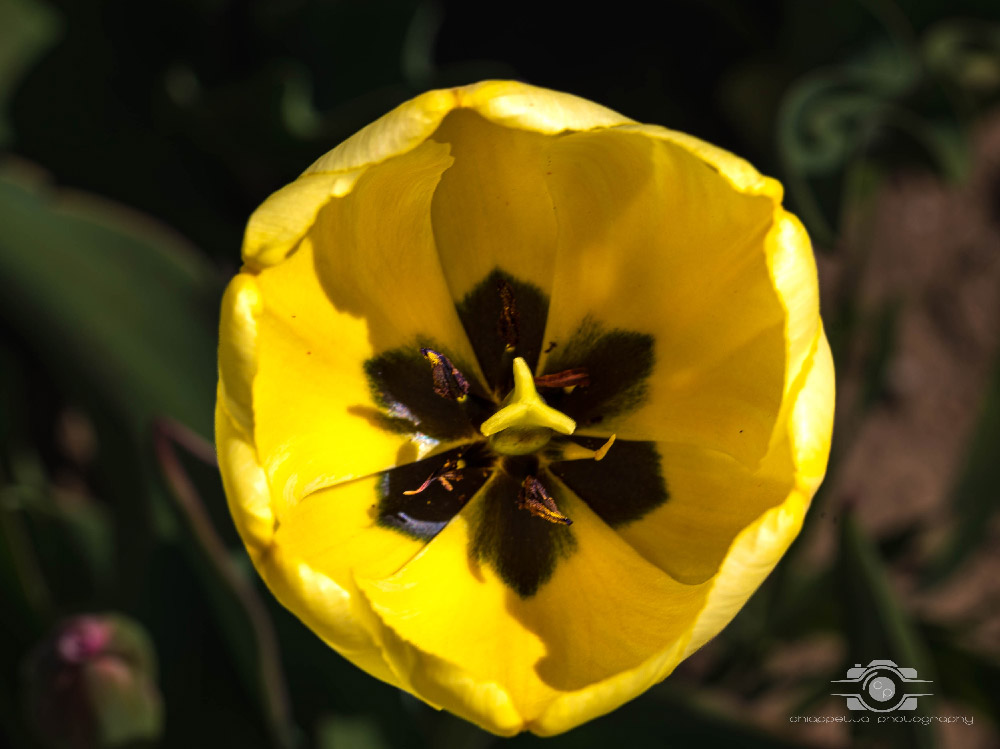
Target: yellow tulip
(520, 400)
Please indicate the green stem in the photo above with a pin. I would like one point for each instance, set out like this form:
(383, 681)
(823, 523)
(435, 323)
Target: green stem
(273, 692)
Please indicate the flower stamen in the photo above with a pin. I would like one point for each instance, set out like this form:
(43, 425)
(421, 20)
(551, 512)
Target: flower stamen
(450, 471)
(568, 378)
(507, 326)
(567, 450)
(448, 381)
(535, 498)
(600, 452)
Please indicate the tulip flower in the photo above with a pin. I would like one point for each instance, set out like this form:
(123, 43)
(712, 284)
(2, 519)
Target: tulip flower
(521, 400)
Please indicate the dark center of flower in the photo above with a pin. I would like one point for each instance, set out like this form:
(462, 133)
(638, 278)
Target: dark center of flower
(519, 454)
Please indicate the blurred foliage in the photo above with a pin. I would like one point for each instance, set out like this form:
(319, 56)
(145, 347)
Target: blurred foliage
(139, 136)
(112, 299)
(26, 28)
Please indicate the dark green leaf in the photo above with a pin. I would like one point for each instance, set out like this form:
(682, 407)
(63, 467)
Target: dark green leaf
(878, 628)
(26, 29)
(110, 298)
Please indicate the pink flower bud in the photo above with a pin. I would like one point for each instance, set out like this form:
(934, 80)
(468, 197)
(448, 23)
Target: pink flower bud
(92, 683)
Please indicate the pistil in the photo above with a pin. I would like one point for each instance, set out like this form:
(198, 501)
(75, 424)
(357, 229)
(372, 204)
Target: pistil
(525, 423)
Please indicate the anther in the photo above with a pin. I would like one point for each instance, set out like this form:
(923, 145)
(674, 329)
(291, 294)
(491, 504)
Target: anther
(568, 378)
(507, 326)
(448, 381)
(450, 471)
(534, 498)
(568, 450)
(600, 452)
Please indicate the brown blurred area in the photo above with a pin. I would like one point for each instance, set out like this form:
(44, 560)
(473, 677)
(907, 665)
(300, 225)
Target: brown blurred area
(928, 252)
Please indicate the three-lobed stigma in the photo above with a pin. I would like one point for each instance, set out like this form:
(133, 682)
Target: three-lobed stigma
(525, 423)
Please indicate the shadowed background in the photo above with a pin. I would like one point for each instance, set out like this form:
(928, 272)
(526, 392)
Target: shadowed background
(136, 139)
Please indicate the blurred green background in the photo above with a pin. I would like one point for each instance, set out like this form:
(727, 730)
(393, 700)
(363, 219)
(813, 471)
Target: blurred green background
(136, 139)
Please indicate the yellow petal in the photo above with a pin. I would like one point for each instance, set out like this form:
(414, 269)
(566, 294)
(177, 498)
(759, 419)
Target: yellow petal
(365, 280)
(401, 130)
(246, 487)
(523, 107)
(375, 254)
(295, 572)
(712, 497)
(759, 547)
(812, 419)
(793, 271)
(754, 553)
(335, 532)
(241, 306)
(278, 225)
(653, 241)
(739, 172)
(507, 103)
(492, 208)
(306, 560)
(323, 541)
(686, 538)
(472, 645)
(280, 222)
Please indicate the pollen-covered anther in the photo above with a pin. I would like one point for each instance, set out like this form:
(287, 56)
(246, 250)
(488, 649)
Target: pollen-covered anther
(525, 423)
(535, 498)
(448, 381)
